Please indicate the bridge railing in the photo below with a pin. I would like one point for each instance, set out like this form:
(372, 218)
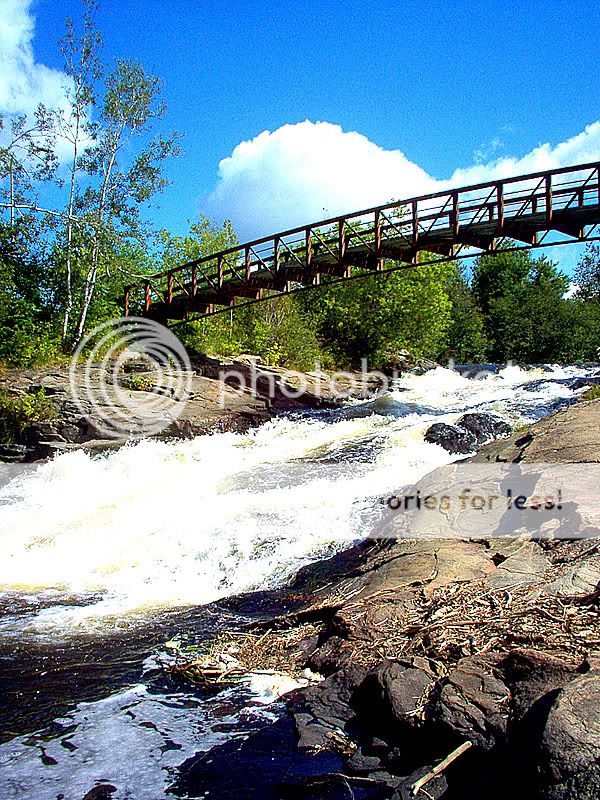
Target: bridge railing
(466, 216)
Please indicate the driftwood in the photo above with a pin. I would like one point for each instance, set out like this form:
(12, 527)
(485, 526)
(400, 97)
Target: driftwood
(439, 768)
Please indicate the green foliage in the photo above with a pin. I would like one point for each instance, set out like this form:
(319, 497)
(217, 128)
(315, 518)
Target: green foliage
(367, 318)
(278, 330)
(139, 382)
(593, 393)
(587, 273)
(522, 300)
(581, 339)
(466, 339)
(17, 412)
(110, 119)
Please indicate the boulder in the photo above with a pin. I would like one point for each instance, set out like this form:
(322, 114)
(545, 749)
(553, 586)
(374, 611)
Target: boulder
(572, 435)
(397, 689)
(570, 748)
(331, 656)
(474, 703)
(485, 427)
(361, 764)
(534, 678)
(322, 712)
(13, 453)
(580, 579)
(451, 438)
(525, 567)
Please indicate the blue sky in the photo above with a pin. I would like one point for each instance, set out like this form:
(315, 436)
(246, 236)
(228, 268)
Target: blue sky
(415, 93)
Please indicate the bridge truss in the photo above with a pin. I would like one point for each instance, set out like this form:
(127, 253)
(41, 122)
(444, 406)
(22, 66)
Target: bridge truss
(557, 206)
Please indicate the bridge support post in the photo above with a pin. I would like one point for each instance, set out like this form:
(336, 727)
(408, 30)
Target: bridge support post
(247, 263)
(500, 203)
(276, 253)
(377, 241)
(415, 222)
(455, 215)
(342, 242)
(548, 182)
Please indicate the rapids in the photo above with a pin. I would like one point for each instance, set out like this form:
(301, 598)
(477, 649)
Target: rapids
(97, 553)
(160, 525)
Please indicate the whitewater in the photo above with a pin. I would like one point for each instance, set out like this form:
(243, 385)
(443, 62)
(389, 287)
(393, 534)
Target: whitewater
(159, 525)
(103, 558)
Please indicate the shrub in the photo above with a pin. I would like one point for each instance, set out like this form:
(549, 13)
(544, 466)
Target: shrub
(17, 412)
(139, 382)
(593, 393)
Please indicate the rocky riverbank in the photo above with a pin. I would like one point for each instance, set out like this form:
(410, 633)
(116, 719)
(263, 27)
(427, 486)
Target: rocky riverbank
(467, 668)
(232, 395)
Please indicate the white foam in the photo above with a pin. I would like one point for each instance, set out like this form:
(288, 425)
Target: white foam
(133, 740)
(160, 525)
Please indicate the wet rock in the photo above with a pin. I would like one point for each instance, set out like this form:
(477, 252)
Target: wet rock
(321, 712)
(331, 656)
(361, 764)
(571, 742)
(397, 689)
(13, 453)
(104, 791)
(451, 438)
(485, 427)
(473, 703)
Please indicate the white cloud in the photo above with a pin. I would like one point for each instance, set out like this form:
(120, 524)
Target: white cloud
(583, 147)
(24, 83)
(571, 291)
(308, 171)
(304, 172)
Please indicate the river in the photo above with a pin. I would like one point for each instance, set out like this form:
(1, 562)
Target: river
(103, 559)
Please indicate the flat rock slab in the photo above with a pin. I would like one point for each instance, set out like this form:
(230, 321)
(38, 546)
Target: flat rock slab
(430, 564)
(572, 435)
(580, 579)
(525, 567)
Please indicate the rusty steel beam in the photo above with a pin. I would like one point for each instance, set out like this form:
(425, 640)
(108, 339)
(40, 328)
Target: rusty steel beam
(441, 222)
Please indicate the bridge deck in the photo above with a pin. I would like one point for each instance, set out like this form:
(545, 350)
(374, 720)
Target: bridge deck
(447, 224)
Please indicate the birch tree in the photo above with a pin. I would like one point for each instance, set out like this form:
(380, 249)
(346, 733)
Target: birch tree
(130, 106)
(83, 69)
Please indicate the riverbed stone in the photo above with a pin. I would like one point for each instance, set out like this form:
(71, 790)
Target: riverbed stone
(333, 655)
(525, 567)
(452, 438)
(321, 712)
(474, 703)
(399, 689)
(571, 435)
(571, 741)
(578, 580)
(485, 427)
